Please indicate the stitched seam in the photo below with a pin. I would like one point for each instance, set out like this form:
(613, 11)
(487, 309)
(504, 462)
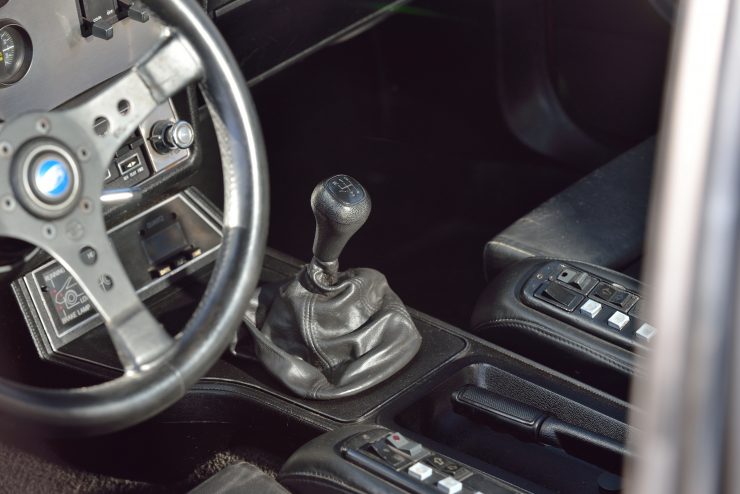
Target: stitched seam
(309, 332)
(543, 331)
(400, 310)
(313, 476)
(328, 364)
(314, 390)
(372, 309)
(511, 247)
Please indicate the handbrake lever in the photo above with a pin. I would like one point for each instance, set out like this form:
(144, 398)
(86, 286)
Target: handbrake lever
(532, 424)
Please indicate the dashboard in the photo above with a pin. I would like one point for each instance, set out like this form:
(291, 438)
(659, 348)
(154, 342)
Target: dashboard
(53, 52)
(47, 60)
(56, 51)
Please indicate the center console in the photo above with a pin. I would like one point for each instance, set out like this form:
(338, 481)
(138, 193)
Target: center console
(584, 320)
(462, 416)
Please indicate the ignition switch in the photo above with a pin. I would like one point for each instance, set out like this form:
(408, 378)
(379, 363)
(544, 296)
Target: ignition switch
(169, 136)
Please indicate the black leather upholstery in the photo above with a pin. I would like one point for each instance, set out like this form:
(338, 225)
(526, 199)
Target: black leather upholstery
(327, 334)
(599, 219)
(240, 478)
(502, 318)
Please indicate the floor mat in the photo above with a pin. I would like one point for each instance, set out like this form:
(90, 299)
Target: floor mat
(22, 472)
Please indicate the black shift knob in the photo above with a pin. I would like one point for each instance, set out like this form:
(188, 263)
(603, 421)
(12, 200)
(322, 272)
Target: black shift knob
(341, 206)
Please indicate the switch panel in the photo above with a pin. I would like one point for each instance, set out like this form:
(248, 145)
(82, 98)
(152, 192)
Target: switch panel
(97, 17)
(589, 302)
(428, 471)
(63, 308)
(136, 160)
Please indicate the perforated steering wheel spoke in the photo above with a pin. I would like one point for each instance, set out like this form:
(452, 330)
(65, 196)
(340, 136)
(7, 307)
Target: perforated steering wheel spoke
(112, 115)
(52, 170)
(94, 263)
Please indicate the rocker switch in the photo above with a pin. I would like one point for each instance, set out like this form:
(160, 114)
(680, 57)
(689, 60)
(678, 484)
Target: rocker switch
(577, 279)
(559, 295)
(404, 445)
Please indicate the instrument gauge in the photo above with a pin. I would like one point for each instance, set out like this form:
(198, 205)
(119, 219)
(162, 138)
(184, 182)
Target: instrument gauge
(16, 53)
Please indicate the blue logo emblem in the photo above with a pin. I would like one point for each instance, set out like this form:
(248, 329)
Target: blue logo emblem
(52, 179)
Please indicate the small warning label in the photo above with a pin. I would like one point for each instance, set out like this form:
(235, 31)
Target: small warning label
(69, 300)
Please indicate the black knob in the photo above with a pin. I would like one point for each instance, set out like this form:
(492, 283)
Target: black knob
(133, 10)
(102, 30)
(169, 136)
(341, 206)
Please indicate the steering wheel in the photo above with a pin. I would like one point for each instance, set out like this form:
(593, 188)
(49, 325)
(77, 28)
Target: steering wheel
(53, 166)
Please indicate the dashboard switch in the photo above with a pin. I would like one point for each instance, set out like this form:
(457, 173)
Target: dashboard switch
(102, 30)
(645, 333)
(591, 308)
(97, 18)
(449, 485)
(169, 136)
(420, 471)
(618, 320)
(407, 446)
(615, 296)
(133, 10)
(559, 295)
(577, 279)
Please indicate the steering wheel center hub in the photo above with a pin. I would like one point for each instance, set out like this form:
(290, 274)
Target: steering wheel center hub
(47, 179)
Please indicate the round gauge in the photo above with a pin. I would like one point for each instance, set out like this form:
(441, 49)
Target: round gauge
(15, 53)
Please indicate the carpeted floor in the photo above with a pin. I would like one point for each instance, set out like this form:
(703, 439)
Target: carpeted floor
(22, 472)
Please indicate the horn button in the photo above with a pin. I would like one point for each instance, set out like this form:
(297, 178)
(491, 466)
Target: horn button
(47, 179)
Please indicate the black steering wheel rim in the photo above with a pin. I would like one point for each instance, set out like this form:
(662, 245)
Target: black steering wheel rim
(135, 397)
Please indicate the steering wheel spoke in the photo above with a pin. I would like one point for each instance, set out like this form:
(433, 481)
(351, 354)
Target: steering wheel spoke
(111, 115)
(94, 263)
(52, 166)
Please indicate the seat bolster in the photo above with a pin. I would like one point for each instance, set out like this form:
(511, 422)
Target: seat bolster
(599, 220)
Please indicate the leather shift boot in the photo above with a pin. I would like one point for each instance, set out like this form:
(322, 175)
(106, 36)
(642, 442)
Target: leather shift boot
(329, 334)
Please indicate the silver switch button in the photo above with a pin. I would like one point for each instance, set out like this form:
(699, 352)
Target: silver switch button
(449, 485)
(420, 471)
(591, 308)
(618, 320)
(645, 333)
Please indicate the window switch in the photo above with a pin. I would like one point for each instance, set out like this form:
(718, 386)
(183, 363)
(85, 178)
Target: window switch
(613, 295)
(577, 279)
(559, 295)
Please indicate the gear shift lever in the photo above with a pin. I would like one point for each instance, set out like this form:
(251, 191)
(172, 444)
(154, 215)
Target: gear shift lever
(341, 206)
(328, 334)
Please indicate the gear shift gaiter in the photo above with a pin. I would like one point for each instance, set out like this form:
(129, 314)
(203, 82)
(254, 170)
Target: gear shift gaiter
(327, 333)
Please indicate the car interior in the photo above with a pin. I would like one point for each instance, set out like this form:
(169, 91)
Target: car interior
(325, 246)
